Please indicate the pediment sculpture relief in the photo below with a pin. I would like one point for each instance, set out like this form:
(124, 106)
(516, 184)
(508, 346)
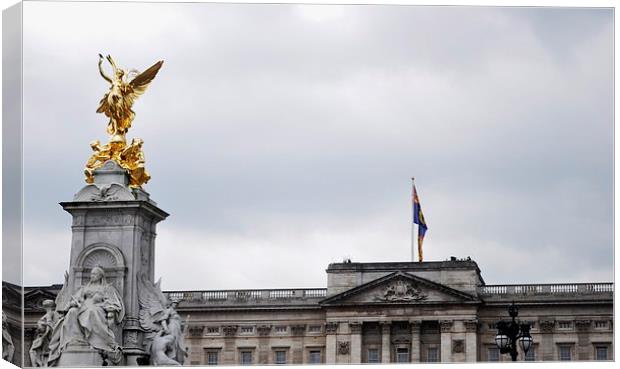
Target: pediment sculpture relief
(401, 290)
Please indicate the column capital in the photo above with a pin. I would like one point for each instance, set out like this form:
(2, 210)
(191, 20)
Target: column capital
(298, 329)
(446, 326)
(230, 330)
(331, 327)
(546, 326)
(386, 326)
(471, 325)
(415, 326)
(355, 327)
(263, 330)
(582, 325)
(196, 330)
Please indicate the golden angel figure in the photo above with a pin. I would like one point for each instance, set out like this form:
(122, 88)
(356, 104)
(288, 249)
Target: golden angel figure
(117, 102)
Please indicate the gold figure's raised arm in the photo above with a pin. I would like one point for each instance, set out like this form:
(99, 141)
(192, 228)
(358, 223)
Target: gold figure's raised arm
(105, 76)
(112, 63)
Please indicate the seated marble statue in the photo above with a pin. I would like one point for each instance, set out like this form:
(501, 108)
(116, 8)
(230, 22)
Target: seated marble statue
(93, 311)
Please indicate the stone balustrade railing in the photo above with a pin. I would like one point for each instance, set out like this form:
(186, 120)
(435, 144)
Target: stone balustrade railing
(540, 289)
(241, 296)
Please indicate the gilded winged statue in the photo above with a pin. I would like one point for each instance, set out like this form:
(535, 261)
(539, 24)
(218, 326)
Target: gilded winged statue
(116, 104)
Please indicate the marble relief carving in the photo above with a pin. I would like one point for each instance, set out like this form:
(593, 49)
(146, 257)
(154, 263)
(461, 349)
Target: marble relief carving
(344, 347)
(401, 290)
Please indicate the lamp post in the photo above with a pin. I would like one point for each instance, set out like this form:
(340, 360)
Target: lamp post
(511, 332)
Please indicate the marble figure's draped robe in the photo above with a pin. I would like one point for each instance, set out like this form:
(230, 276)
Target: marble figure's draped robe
(89, 323)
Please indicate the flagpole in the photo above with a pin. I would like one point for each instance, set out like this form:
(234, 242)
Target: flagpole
(412, 223)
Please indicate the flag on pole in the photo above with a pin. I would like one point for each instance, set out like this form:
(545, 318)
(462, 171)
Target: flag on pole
(418, 218)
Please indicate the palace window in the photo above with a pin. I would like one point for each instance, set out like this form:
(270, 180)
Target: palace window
(493, 354)
(432, 355)
(314, 329)
(280, 357)
(212, 357)
(402, 355)
(601, 353)
(565, 352)
(373, 355)
(315, 357)
(245, 357)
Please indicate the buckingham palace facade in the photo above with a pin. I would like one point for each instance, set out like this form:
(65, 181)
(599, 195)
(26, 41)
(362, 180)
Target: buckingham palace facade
(382, 313)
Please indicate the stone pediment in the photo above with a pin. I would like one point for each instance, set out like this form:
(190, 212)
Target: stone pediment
(33, 299)
(399, 288)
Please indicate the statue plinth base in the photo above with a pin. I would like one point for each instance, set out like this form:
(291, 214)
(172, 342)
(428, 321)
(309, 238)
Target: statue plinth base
(80, 355)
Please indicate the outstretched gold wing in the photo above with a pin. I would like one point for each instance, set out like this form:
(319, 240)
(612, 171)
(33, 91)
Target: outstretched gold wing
(141, 82)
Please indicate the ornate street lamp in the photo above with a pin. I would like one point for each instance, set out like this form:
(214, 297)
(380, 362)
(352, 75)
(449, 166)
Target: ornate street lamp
(511, 332)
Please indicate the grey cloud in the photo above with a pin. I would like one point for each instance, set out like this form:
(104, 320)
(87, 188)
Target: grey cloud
(293, 135)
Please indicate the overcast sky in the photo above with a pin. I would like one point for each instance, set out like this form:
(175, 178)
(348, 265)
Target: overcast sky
(281, 138)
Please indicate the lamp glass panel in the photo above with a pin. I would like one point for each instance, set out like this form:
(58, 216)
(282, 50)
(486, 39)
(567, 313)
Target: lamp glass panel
(526, 343)
(501, 340)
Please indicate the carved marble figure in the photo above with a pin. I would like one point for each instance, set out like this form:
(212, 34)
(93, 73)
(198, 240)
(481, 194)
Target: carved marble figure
(39, 351)
(8, 349)
(92, 313)
(163, 325)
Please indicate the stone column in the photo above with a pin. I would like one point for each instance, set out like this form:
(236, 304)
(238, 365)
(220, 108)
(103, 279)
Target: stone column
(229, 351)
(415, 340)
(356, 342)
(584, 348)
(446, 340)
(297, 343)
(331, 330)
(471, 341)
(263, 343)
(546, 346)
(386, 328)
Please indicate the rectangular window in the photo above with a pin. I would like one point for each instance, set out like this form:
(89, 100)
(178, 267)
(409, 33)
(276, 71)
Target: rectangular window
(432, 355)
(601, 353)
(493, 354)
(314, 329)
(246, 357)
(402, 355)
(212, 357)
(280, 357)
(315, 357)
(373, 355)
(531, 354)
(565, 352)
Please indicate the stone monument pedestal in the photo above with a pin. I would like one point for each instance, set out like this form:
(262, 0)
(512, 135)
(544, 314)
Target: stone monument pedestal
(80, 355)
(114, 228)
